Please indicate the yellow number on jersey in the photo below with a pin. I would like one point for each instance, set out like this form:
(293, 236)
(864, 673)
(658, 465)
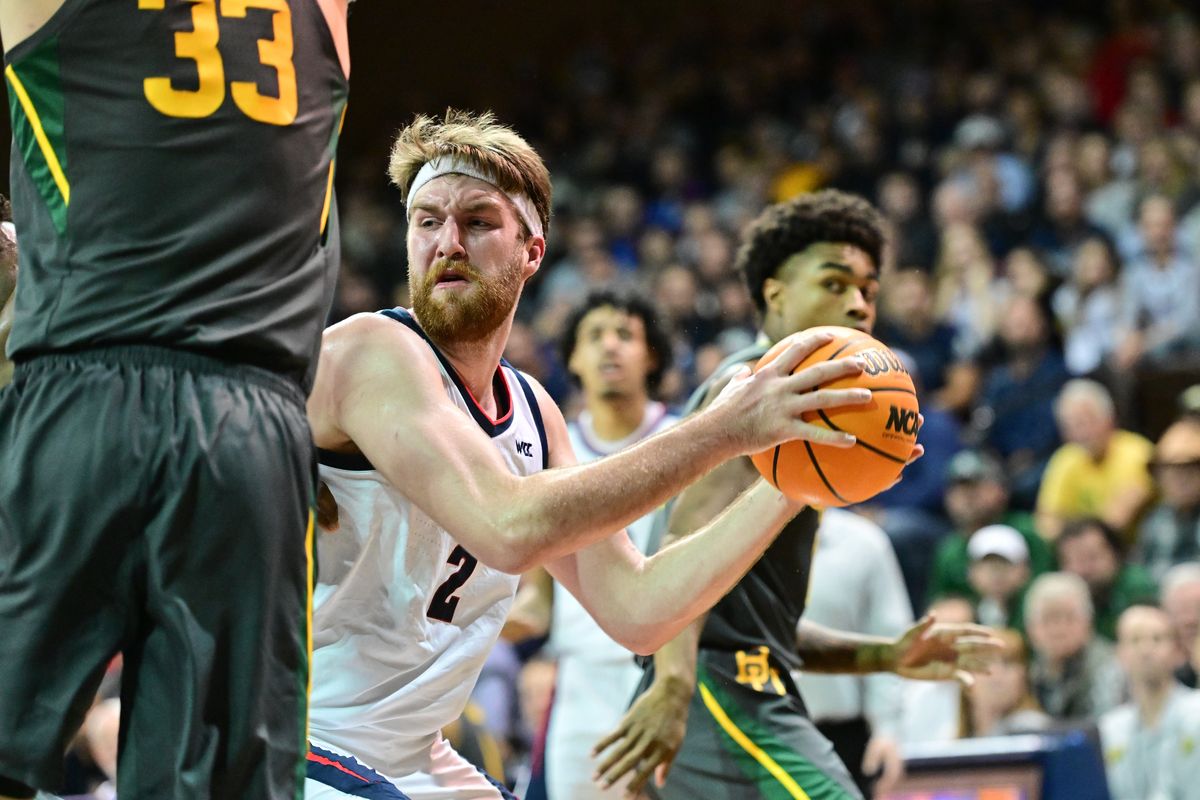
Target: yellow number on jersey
(275, 53)
(199, 45)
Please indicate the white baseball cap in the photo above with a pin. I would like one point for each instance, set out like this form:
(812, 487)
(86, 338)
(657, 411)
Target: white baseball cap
(998, 540)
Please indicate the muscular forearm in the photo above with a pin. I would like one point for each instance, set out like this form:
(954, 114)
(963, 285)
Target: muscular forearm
(675, 662)
(560, 510)
(649, 603)
(826, 650)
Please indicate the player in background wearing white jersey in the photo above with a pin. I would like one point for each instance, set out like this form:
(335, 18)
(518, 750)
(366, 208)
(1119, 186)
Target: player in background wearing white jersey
(413, 589)
(616, 350)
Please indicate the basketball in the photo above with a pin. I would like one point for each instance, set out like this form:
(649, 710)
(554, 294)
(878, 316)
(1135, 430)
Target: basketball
(886, 428)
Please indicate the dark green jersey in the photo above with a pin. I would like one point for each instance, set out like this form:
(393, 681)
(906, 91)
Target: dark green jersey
(763, 609)
(171, 173)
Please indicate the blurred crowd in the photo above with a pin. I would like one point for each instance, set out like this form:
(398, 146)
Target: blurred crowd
(1040, 171)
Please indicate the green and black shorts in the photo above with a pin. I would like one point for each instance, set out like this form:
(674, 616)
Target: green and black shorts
(157, 503)
(748, 736)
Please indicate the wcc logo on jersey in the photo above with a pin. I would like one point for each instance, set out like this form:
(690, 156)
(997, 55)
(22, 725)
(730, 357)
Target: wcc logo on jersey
(525, 448)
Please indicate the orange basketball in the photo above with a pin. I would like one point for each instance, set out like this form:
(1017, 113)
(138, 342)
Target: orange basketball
(886, 428)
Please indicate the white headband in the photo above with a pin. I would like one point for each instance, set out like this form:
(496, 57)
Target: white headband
(450, 165)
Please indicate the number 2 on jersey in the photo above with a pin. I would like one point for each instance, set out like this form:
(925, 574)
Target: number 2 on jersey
(444, 602)
(199, 45)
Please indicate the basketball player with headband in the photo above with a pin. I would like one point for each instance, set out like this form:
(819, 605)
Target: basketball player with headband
(453, 472)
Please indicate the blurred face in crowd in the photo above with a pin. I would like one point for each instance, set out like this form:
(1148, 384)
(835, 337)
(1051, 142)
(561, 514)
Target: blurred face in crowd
(1146, 646)
(1085, 423)
(827, 283)
(973, 504)
(1093, 265)
(997, 578)
(1059, 629)
(1157, 225)
(1177, 466)
(1026, 272)
(908, 299)
(1090, 556)
(1000, 689)
(899, 198)
(1064, 201)
(468, 258)
(1023, 325)
(963, 250)
(611, 356)
(1182, 606)
(1092, 159)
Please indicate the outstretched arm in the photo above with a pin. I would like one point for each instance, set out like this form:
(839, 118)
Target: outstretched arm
(926, 651)
(378, 391)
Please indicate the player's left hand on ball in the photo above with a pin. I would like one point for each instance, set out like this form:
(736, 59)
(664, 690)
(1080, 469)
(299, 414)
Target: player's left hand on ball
(935, 651)
(327, 509)
(646, 740)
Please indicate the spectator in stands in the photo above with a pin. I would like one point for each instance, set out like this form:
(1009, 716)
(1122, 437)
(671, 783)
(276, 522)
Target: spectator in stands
(1064, 228)
(1017, 407)
(964, 280)
(914, 239)
(1089, 548)
(1161, 291)
(907, 322)
(1001, 702)
(1088, 307)
(977, 495)
(1142, 737)
(1100, 472)
(998, 574)
(1180, 599)
(1170, 532)
(1073, 672)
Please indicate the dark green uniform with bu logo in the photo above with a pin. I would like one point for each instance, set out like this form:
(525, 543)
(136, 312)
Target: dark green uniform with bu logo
(748, 733)
(172, 171)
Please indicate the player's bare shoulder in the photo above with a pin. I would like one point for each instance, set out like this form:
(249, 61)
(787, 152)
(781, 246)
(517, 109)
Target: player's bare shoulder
(363, 357)
(20, 19)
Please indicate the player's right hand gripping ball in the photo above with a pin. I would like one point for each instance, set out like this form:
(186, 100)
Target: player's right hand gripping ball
(886, 428)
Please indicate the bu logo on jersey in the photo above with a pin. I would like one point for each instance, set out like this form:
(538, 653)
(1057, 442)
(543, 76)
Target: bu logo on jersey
(525, 448)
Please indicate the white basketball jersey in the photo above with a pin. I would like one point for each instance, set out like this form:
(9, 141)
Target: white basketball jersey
(404, 616)
(573, 632)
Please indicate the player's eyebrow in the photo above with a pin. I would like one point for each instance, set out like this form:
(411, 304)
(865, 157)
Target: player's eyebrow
(872, 276)
(474, 206)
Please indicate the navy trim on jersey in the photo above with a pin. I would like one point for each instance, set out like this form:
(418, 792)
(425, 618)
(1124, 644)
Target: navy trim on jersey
(535, 409)
(492, 427)
(345, 774)
(505, 794)
(352, 462)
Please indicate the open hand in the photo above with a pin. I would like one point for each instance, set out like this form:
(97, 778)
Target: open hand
(647, 738)
(933, 651)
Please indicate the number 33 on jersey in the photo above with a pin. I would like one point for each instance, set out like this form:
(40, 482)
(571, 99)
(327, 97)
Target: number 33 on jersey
(200, 48)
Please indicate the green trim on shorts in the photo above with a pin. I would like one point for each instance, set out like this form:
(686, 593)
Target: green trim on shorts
(304, 674)
(779, 772)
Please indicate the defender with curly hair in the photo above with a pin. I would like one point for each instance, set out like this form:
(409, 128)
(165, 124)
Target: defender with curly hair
(718, 707)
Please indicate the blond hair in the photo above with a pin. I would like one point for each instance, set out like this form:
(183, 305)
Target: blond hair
(496, 149)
